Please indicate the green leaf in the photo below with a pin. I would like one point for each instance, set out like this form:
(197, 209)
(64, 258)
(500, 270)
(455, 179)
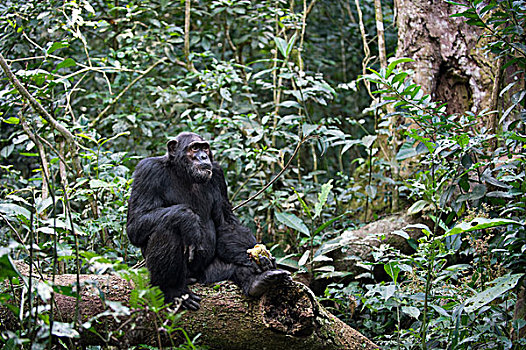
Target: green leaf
(411, 311)
(478, 191)
(225, 94)
(114, 137)
(480, 224)
(394, 63)
(456, 3)
(14, 210)
(290, 104)
(392, 270)
(322, 198)
(11, 120)
(7, 268)
(290, 45)
(502, 285)
(388, 291)
(281, 44)
(368, 140)
(371, 191)
(417, 207)
(68, 62)
(55, 46)
(304, 258)
(43, 204)
(307, 129)
(306, 208)
(94, 183)
(62, 329)
(87, 137)
(292, 221)
(406, 151)
(325, 224)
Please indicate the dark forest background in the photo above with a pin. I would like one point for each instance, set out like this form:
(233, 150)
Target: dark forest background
(400, 126)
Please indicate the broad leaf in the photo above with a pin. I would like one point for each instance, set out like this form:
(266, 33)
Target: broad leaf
(7, 268)
(502, 285)
(411, 311)
(392, 270)
(304, 258)
(292, 221)
(62, 329)
(14, 209)
(394, 63)
(479, 224)
(281, 45)
(290, 45)
(417, 207)
(322, 198)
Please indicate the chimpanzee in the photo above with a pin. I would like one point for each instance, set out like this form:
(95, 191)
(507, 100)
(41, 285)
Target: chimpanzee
(180, 216)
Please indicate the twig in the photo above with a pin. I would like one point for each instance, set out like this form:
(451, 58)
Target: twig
(45, 114)
(46, 142)
(105, 110)
(20, 240)
(301, 142)
(240, 187)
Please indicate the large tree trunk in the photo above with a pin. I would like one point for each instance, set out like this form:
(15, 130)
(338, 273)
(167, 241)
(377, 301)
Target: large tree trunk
(449, 63)
(288, 317)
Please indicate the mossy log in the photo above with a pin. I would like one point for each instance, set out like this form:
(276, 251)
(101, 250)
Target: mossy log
(288, 317)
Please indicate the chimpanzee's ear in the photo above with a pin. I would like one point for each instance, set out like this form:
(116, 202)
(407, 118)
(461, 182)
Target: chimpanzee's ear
(171, 145)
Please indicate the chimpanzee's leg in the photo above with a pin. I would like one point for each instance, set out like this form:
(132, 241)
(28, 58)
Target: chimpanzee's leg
(167, 264)
(250, 279)
(256, 284)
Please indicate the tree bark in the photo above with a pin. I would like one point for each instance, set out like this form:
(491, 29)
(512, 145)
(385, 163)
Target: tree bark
(353, 247)
(449, 62)
(286, 317)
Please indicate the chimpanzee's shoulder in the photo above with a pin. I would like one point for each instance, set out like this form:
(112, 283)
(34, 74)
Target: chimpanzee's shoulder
(151, 166)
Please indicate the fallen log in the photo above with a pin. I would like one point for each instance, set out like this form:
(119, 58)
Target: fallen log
(287, 317)
(354, 247)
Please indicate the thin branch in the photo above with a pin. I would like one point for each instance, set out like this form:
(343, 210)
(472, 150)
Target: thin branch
(298, 146)
(43, 113)
(46, 142)
(43, 158)
(240, 187)
(366, 49)
(103, 113)
(17, 234)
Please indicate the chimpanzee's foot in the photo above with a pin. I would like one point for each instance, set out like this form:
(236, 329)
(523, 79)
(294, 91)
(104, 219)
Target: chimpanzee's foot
(187, 299)
(263, 282)
(191, 301)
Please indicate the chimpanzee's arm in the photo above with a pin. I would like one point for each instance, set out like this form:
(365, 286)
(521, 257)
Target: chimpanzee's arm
(233, 239)
(147, 212)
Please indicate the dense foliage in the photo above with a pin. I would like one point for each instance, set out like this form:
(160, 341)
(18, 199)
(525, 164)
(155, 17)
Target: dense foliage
(274, 85)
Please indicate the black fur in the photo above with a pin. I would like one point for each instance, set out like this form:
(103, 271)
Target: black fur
(182, 220)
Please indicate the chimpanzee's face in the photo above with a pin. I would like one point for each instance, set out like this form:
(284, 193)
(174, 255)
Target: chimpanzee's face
(198, 153)
(190, 153)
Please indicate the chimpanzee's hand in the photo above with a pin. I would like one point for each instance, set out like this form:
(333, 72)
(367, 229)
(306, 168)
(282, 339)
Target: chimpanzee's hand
(262, 258)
